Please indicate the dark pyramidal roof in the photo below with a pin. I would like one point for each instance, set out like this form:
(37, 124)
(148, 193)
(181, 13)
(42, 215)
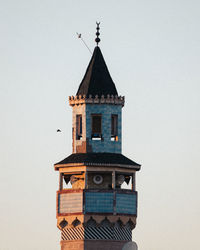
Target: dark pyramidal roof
(99, 158)
(97, 79)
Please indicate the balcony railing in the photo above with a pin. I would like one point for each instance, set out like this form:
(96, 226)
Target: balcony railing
(78, 201)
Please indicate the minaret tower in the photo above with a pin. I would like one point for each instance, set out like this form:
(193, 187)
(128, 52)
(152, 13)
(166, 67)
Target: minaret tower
(97, 198)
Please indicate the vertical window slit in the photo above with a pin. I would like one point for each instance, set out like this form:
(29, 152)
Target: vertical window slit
(96, 127)
(114, 127)
(79, 127)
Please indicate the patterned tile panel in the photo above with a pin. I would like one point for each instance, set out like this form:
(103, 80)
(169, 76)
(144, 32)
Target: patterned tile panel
(106, 110)
(96, 233)
(70, 203)
(126, 203)
(98, 202)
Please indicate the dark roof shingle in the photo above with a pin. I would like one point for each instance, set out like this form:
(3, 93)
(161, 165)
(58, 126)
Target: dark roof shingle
(97, 79)
(99, 158)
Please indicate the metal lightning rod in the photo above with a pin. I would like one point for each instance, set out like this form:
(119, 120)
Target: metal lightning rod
(79, 36)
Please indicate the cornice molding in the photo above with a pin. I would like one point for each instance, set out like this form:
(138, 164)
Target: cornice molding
(110, 99)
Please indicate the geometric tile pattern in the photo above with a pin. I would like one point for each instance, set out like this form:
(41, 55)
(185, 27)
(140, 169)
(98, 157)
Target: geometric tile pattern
(104, 203)
(126, 204)
(99, 202)
(70, 202)
(106, 110)
(97, 233)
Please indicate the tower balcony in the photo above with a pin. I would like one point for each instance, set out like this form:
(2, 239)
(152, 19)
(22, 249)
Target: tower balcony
(95, 201)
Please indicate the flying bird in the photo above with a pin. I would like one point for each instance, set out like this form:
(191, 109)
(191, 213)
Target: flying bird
(79, 35)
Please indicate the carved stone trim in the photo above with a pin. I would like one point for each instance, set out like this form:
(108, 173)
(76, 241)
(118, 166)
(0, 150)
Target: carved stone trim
(96, 221)
(106, 223)
(130, 224)
(76, 222)
(81, 99)
(63, 223)
(91, 230)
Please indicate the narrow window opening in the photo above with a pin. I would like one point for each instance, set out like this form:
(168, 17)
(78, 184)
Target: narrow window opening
(66, 182)
(114, 127)
(96, 127)
(124, 181)
(79, 127)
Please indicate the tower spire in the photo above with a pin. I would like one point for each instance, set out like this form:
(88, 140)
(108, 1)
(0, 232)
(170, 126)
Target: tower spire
(94, 208)
(97, 39)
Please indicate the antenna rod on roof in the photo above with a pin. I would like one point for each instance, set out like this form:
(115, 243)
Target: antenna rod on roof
(79, 36)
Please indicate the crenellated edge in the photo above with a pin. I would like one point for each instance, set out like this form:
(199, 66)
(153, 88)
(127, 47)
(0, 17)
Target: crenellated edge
(96, 221)
(110, 99)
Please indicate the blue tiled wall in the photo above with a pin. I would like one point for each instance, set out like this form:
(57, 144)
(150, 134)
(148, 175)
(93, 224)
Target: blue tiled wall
(99, 202)
(126, 203)
(106, 110)
(103, 203)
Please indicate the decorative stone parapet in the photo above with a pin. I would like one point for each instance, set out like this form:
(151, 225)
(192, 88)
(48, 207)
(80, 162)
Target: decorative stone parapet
(110, 99)
(92, 230)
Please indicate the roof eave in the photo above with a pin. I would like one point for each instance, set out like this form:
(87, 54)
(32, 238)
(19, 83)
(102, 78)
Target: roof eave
(133, 167)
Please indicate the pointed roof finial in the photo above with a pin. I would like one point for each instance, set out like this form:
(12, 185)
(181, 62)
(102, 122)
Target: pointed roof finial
(97, 40)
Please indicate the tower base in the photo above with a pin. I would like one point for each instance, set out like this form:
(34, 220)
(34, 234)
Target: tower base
(92, 244)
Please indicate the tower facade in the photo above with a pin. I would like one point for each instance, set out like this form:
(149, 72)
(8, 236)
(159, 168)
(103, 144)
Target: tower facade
(97, 198)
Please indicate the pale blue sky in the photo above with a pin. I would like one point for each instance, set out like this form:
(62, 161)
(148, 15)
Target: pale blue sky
(152, 49)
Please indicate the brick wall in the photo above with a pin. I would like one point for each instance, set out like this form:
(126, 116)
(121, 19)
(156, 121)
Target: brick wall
(72, 245)
(92, 245)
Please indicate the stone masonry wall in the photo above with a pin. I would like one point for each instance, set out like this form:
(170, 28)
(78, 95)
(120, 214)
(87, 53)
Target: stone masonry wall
(92, 245)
